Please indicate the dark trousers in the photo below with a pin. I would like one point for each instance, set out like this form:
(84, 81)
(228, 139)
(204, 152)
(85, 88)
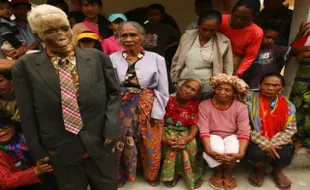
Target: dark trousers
(48, 183)
(257, 155)
(99, 174)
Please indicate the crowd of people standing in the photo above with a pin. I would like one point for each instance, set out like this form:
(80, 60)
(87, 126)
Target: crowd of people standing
(87, 100)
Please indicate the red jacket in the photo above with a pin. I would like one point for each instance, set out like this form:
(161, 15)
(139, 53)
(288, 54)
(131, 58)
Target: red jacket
(10, 177)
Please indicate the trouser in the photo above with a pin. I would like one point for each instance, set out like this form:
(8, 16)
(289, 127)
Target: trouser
(99, 174)
(257, 155)
(48, 183)
(229, 144)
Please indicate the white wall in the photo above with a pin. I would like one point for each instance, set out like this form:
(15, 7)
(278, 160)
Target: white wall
(301, 13)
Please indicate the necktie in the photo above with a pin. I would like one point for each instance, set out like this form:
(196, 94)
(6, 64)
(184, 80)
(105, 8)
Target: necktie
(70, 108)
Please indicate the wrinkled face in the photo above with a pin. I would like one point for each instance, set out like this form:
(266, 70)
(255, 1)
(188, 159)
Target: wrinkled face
(208, 28)
(224, 92)
(269, 37)
(5, 11)
(20, 11)
(154, 16)
(87, 43)
(131, 37)
(56, 33)
(6, 86)
(271, 87)
(6, 135)
(272, 4)
(90, 10)
(188, 90)
(202, 7)
(241, 17)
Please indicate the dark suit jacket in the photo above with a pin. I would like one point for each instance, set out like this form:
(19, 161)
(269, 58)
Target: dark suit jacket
(38, 96)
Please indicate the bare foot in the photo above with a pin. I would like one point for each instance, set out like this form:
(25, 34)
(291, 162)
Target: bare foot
(281, 180)
(257, 177)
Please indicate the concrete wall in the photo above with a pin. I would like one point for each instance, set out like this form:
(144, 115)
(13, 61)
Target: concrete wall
(181, 10)
(301, 13)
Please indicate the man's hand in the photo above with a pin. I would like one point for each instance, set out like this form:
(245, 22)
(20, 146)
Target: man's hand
(107, 142)
(42, 169)
(9, 53)
(272, 153)
(20, 51)
(43, 166)
(304, 27)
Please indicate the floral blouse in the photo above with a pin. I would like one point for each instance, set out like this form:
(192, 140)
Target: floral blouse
(131, 79)
(181, 115)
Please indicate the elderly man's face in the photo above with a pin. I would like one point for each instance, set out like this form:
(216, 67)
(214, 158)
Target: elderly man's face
(56, 33)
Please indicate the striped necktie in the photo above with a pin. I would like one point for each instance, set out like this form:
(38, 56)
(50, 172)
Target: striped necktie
(70, 108)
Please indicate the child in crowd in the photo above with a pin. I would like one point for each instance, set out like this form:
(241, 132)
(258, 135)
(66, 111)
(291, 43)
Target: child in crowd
(10, 39)
(110, 45)
(88, 39)
(160, 36)
(16, 168)
(270, 58)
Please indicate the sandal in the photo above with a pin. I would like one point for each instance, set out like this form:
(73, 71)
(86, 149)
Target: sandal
(172, 183)
(153, 183)
(215, 183)
(259, 181)
(198, 183)
(230, 185)
(276, 181)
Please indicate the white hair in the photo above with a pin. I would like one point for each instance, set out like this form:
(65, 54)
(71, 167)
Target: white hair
(41, 12)
(134, 24)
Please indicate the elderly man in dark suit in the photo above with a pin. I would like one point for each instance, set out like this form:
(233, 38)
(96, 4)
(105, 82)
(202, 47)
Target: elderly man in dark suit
(69, 102)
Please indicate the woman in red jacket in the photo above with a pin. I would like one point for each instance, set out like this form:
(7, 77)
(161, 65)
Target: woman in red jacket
(16, 169)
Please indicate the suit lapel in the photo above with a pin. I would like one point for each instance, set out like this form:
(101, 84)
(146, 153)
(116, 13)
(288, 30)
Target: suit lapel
(84, 67)
(47, 71)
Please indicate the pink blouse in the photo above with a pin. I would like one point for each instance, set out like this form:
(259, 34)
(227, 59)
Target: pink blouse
(233, 120)
(110, 45)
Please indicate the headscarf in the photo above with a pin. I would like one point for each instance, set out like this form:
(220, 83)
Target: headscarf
(239, 85)
(18, 149)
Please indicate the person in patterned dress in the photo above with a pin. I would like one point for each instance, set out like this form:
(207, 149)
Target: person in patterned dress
(143, 81)
(179, 143)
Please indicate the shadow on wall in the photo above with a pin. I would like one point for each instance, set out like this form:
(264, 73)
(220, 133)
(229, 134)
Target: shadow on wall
(140, 15)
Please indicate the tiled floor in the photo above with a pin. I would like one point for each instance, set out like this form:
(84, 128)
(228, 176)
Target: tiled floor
(300, 179)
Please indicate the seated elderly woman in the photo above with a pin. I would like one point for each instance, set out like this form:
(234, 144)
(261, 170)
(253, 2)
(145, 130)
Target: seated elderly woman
(224, 128)
(143, 81)
(273, 125)
(180, 147)
(16, 168)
